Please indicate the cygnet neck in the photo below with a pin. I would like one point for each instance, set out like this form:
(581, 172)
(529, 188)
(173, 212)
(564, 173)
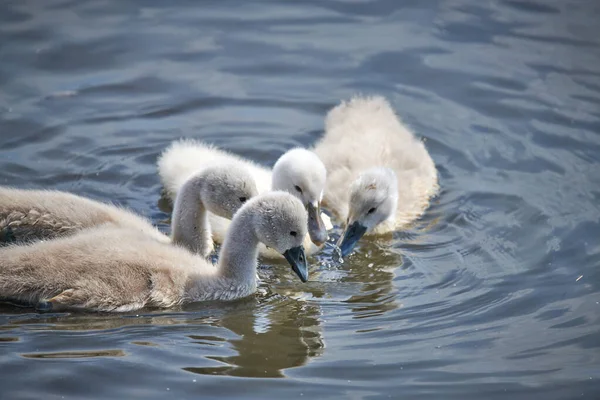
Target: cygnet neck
(189, 222)
(239, 253)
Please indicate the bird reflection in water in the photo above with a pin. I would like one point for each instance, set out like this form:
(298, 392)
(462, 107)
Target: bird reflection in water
(275, 334)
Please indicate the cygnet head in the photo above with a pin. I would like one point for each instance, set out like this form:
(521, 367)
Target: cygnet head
(301, 173)
(280, 223)
(373, 199)
(222, 189)
(225, 188)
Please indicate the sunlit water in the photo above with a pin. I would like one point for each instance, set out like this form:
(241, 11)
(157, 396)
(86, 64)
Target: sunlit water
(494, 294)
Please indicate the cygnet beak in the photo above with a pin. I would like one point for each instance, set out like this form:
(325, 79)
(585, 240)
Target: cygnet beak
(297, 259)
(350, 237)
(316, 227)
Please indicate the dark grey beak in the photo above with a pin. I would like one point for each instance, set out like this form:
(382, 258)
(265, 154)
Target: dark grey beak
(351, 236)
(316, 227)
(295, 256)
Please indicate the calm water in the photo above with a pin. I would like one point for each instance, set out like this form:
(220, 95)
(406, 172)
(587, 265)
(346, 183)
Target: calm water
(494, 294)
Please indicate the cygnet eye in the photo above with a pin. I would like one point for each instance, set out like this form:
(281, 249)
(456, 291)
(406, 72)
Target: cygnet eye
(298, 188)
(293, 233)
(372, 210)
(243, 199)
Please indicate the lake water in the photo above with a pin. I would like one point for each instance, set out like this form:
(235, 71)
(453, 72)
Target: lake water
(494, 294)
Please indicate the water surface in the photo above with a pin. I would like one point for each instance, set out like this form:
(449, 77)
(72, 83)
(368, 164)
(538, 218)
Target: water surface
(493, 294)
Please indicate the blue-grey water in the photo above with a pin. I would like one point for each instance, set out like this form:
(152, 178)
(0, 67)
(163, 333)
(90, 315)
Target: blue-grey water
(494, 294)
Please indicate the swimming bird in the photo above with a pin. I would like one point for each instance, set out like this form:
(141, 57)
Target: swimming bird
(27, 215)
(298, 171)
(117, 269)
(380, 177)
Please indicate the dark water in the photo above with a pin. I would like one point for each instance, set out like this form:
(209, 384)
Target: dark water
(494, 294)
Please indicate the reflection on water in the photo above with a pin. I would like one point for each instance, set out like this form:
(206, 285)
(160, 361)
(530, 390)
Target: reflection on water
(493, 294)
(267, 335)
(282, 334)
